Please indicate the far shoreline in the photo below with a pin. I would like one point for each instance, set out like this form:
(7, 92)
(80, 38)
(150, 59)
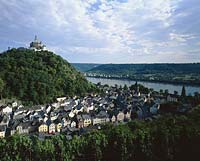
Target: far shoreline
(150, 81)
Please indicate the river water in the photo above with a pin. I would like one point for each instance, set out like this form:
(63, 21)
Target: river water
(190, 90)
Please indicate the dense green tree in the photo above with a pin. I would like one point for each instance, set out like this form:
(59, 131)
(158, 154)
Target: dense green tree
(176, 93)
(169, 138)
(125, 87)
(2, 84)
(95, 147)
(141, 88)
(166, 91)
(39, 77)
(120, 143)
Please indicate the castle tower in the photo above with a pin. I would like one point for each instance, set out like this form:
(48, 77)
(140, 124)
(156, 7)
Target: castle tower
(37, 45)
(36, 40)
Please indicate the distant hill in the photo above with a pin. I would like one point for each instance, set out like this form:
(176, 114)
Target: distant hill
(83, 67)
(147, 68)
(39, 77)
(185, 73)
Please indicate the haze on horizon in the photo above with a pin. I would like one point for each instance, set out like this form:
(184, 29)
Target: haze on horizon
(106, 31)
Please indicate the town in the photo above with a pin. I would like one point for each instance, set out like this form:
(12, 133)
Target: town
(77, 115)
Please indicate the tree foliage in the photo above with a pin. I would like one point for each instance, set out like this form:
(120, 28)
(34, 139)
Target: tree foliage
(169, 138)
(39, 77)
(2, 84)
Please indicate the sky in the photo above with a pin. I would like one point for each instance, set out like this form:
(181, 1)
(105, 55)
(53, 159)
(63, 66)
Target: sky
(105, 31)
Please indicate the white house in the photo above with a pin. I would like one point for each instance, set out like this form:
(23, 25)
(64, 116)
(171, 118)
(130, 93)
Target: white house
(73, 124)
(71, 114)
(61, 99)
(7, 110)
(90, 108)
(20, 106)
(56, 105)
(120, 116)
(14, 104)
(66, 122)
(45, 119)
(127, 115)
(48, 109)
(99, 120)
(113, 118)
(171, 98)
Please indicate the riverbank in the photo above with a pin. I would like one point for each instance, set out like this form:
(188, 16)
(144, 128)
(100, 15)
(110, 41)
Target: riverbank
(151, 81)
(190, 90)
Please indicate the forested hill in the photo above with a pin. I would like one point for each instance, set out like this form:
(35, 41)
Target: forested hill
(39, 77)
(147, 68)
(174, 73)
(83, 67)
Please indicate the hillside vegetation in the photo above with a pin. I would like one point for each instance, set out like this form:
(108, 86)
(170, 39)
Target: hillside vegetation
(39, 77)
(169, 138)
(175, 73)
(83, 67)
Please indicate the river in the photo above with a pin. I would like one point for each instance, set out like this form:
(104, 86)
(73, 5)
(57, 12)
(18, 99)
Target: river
(190, 90)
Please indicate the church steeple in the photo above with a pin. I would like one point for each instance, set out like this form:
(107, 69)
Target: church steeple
(35, 38)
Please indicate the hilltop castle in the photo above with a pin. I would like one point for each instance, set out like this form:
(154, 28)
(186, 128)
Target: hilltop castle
(37, 45)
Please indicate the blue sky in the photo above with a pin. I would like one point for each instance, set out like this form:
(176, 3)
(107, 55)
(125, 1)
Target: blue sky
(106, 31)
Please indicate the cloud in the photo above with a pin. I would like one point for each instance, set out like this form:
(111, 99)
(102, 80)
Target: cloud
(181, 37)
(101, 30)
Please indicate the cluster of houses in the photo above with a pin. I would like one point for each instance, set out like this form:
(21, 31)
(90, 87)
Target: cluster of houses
(67, 115)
